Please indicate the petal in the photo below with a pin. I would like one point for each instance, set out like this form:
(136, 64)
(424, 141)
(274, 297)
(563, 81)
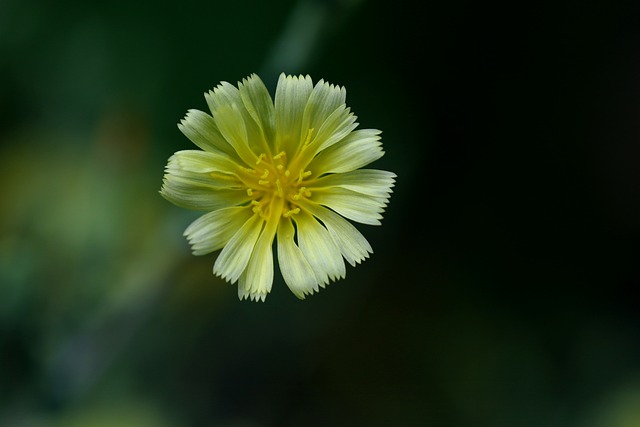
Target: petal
(201, 129)
(257, 278)
(201, 191)
(351, 204)
(291, 98)
(245, 293)
(336, 127)
(259, 105)
(232, 126)
(295, 270)
(356, 150)
(213, 180)
(213, 230)
(319, 249)
(186, 196)
(203, 162)
(202, 168)
(214, 169)
(226, 96)
(235, 256)
(353, 245)
(324, 100)
(223, 95)
(259, 272)
(371, 182)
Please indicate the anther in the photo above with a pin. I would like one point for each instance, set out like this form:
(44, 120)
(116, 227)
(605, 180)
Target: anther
(290, 212)
(265, 174)
(301, 191)
(263, 182)
(279, 185)
(260, 157)
(302, 175)
(257, 207)
(249, 192)
(280, 154)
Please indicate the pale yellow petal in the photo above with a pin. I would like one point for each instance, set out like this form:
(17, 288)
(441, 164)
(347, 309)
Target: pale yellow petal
(351, 204)
(323, 101)
(213, 230)
(201, 191)
(356, 150)
(235, 256)
(353, 245)
(259, 105)
(259, 272)
(319, 249)
(295, 269)
(232, 126)
(201, 129)
(291, 98)
(372, 182)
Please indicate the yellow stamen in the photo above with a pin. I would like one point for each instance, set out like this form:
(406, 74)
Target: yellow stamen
(279, 186)
(280, 154)
(290, 212)
(301, 191)
(260, 157)
(307, 141)
(265, 174)
(257, 208)
(302, 175)
(249, 192)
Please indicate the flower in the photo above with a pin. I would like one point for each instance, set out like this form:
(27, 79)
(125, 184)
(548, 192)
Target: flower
(285, 171)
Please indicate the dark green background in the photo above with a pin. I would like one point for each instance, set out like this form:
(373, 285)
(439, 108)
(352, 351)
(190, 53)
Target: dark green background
(501, 288)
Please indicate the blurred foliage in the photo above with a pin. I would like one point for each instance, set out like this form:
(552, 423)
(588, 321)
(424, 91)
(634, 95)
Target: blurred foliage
(502, 287)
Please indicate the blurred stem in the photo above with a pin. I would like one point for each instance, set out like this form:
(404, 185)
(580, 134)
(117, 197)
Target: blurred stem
(309, 22)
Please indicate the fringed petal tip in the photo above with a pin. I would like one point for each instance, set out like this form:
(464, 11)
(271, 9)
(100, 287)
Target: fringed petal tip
(303, 292)
(249, 78)
(255, 297)
(295, 77)
(245, 292)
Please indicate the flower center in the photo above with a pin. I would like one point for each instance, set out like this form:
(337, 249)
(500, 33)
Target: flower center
(275, 187)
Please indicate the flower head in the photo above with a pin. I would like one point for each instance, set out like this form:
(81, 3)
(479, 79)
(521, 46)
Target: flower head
(285, 171)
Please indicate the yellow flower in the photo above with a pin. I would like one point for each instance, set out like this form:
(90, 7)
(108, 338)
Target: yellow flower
(287, 171)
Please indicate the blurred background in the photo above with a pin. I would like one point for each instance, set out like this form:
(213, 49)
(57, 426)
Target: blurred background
(501, 291)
